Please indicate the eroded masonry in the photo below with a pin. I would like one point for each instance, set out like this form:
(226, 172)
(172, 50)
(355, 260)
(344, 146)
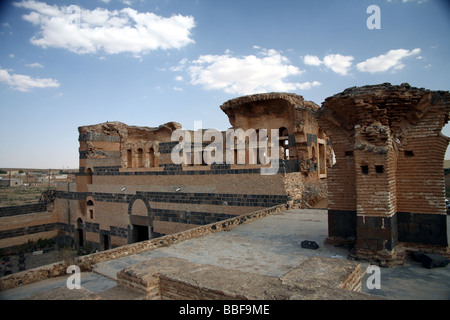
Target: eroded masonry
(375, 152)
(387, 185)
(128, 189)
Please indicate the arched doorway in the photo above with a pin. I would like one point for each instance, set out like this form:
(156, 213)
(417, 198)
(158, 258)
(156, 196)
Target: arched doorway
(140, 226)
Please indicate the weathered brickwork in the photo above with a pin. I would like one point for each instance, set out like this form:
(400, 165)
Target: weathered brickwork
(387, 183)
(27, 226)
(129, 189)
(197, 198)
(24, 209)
(385, 186)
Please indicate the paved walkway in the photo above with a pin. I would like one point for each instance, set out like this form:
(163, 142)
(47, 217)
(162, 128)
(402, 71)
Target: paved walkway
(268, 246)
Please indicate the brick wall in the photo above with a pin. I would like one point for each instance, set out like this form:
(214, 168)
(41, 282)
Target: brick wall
(116, 198)
(19, 229)
(421, 186)
(389, 165)
(24, 209)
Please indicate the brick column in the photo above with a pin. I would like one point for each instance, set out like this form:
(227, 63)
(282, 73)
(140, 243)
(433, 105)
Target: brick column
(376, 201)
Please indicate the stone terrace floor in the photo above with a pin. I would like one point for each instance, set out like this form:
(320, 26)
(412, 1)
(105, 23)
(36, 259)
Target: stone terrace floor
(268, 246)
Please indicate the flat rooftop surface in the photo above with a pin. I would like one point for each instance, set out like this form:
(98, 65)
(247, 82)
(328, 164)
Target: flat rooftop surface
(268, 246)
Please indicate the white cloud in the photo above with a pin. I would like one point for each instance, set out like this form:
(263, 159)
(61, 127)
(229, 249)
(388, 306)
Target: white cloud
(312, 60)
(24, 82)
(179, 78)
(35, 65)
(245, 74)
(391, 60)
(90, 31)
(308, 85)
(336, 62)
(180, 66)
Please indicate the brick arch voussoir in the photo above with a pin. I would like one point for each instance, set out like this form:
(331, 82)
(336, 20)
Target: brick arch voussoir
(139, 197)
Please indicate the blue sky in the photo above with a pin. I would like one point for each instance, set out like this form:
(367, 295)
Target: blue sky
(64, 64)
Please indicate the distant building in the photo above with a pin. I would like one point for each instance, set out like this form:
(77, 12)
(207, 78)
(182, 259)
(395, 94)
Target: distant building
(10, 182)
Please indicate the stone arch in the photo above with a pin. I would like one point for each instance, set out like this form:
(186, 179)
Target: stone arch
(90, 211)
(151, 157)
(129, 158)
(89, 172)
(140, 158)
(133, 200)
(283, 132)
(140, 227)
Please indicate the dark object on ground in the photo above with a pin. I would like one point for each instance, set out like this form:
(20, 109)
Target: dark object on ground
(306, 244)
(430, 260)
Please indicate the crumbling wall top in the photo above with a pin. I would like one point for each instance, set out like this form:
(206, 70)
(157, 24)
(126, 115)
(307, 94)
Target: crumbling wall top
(123, 130)
(292, 98)
(388, 104)
(266, 107)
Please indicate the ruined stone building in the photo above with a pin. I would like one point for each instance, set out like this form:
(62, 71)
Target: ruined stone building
(387, 185)
(376, 152)
(129, 189)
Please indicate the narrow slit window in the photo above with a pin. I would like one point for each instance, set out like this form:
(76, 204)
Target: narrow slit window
(365, 169)
(409, 153)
